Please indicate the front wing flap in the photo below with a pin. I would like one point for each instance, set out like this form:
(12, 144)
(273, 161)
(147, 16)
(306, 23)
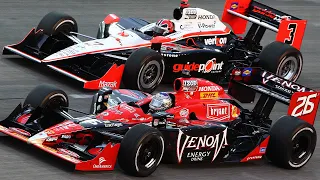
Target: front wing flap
(105, 160)
(30, 48)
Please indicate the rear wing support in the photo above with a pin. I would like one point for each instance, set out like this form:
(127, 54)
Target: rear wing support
(289, 29)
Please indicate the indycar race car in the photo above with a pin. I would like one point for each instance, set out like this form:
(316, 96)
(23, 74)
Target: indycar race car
(198, 122)
(133, 52)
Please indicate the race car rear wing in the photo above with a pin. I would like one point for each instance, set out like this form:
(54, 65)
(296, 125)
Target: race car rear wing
(289, 29)
(246, 82)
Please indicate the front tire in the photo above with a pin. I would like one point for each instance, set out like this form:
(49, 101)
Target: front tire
(47, 96)
(141, 150)
(292, 142)
(282, 60)
(143, 70)
(54, 23)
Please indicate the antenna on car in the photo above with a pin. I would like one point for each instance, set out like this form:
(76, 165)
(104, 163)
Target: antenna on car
(185, 73)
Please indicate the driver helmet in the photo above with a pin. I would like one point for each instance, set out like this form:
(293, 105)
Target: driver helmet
(164, 27)
(160, 102)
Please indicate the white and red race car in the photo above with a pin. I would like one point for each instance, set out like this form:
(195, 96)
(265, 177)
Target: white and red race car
(128, 50)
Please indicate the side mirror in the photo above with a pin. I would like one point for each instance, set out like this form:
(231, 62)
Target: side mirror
(100, 100)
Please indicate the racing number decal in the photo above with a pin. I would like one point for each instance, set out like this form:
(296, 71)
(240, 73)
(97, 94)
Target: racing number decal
(291, 32)
(292, 27)
(304, 105)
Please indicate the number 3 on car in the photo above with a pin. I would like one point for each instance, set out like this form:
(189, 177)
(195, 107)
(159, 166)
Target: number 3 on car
(291, 32)
(304, 105)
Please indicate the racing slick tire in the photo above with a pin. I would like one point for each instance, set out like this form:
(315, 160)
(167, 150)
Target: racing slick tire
(144, 70)
(282, 59)
(141, 150)
(47, 96)
(56, 22)
(292, 142)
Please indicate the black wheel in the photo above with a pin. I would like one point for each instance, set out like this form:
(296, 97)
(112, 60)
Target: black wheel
(292, 142)
(141, 150)
(47, 97)
(282, 59)
(143, 70)
(56, 22)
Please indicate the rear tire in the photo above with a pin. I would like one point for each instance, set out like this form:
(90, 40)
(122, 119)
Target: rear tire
(282, 59)
(141, 150)
(142, 66)
(56, 22)
(292, 142)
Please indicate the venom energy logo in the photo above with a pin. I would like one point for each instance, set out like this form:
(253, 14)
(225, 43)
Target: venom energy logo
(213, 143)
(266, 77)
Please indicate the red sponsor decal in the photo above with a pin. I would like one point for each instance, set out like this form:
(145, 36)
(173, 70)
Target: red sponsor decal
(264, 12)
(20, 131)
(68, 152)
(63, 128)
(218, 112)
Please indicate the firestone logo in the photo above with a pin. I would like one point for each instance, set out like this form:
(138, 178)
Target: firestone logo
(101, 160)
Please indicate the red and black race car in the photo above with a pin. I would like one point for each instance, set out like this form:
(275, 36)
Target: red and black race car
(198, 122)
(133, 51)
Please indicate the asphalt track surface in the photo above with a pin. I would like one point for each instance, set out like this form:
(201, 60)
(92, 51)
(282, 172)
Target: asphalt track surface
(18, 76)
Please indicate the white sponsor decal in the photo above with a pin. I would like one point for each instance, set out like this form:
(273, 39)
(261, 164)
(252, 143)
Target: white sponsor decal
(51, 139)
(211, 142)
(190, 85)
(284, 83)
(306, 106)
(100, 165)
(211, 66)
(191, 14)
(206, 26)
(253, 158)
(218, 111)
(109, 125)
(206, 17)
(209, 88)
(65, 136)
(184, 112)
(108, 84)
(277, 95)
(198, 156)
(169, 55)
(216, 41)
